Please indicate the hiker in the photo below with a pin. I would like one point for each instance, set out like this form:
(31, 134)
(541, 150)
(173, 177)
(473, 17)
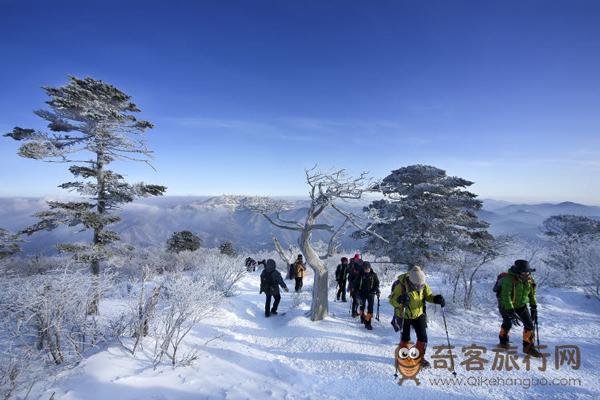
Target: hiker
(409, 294)
(299, 269)
(341, 276)
(250, 264)
(270, 280)
(367, 288)
(515, 289)
(354, 272)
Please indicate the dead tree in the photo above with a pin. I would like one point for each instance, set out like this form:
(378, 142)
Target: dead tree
(326, 190)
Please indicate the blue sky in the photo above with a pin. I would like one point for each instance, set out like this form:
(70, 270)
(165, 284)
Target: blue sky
(246, 94)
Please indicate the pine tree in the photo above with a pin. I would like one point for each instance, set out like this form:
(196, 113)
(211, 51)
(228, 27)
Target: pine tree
(227, 249)
(88, 116)
(425, 214)
(9, 244)
(183, 241)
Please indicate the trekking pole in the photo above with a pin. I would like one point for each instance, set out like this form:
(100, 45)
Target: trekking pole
(448, 339)
(537, 331)
(377, 315)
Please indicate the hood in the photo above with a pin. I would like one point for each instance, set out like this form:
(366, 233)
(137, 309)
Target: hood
(271, 266)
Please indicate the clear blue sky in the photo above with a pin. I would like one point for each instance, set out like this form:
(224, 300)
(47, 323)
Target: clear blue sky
(246, 94)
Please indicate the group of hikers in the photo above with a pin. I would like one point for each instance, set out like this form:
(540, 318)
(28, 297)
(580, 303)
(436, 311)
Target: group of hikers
(515, 290)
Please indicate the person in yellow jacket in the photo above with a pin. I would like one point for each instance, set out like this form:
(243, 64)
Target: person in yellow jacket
(299, 270)
(409, 294)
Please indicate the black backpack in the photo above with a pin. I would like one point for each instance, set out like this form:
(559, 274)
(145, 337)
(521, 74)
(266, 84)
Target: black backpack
(266, 282)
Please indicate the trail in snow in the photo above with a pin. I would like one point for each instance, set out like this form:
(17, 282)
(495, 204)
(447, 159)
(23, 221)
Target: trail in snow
(290, 357)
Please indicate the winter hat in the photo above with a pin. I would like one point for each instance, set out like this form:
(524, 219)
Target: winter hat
(366, 265)
(522, 266)
(271, 266)
(299, 256)
(416, 276)
(344, 260)
(357, 256)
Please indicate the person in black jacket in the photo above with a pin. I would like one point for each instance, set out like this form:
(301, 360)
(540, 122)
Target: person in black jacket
(270, 281)
(355, 270)
(368, 288)
(341, 275)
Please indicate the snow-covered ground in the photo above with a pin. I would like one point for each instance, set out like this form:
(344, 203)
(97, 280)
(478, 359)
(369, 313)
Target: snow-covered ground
(290, 357)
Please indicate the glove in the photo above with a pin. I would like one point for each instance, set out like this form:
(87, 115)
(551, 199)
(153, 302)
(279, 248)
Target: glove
(514, 318)
(377, 292)
(439, 299)
(403, 299)
(534, 314)
(286, 289)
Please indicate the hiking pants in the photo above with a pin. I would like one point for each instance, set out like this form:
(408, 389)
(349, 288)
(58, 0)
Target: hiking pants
(367, 301)
(341, 290)
(268, 308)
(298, 283)
(420, 326)
(523, 313)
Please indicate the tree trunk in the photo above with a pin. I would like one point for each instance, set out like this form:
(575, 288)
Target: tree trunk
(101, 208)
(320, 304)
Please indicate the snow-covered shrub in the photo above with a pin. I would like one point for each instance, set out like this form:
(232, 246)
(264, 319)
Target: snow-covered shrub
(184, 301)
(20, 369)
(222, 271)
(50, 312)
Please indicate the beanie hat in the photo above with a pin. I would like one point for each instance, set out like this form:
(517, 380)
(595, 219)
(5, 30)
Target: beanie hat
(416, 276)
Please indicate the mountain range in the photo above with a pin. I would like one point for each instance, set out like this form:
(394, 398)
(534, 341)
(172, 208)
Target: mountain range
(150, 222)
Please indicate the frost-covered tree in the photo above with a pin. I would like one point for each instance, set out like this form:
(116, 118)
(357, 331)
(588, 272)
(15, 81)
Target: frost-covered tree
(9, 244)
(326, 190)
(91, 124)
(227, 249)
(183, 241)
(425, 214)
(571, 237)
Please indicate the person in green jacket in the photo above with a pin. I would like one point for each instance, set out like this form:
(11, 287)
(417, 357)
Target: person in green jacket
(517, 289)
(409, 294)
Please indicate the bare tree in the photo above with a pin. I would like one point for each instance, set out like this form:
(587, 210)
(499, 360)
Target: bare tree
(326, 189)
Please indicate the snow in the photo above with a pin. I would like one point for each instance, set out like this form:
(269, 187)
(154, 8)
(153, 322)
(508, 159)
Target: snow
(290, 357)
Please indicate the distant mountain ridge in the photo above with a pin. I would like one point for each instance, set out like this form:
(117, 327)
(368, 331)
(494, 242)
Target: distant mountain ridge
(150, 222)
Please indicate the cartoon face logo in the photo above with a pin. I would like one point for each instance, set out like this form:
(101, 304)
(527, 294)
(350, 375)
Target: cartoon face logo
(408, 362)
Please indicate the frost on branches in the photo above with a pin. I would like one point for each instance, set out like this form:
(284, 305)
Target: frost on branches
(88, 116)
(326, 190)
(425, 214)
(9, 244)
(575, 251)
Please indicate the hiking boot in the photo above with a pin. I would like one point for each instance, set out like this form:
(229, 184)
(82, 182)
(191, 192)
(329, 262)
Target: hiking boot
(425, 364)
(354, 314)
(368, 326)
(530, 350)
(503, 345)
(344, 301)
(273, 312)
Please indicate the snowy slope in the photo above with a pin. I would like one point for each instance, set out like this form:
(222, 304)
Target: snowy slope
(290, 357)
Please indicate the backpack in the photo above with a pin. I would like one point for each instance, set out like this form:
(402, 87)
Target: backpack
(266, 282)
(498, 285)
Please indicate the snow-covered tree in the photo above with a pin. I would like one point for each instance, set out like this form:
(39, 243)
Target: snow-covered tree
(183, 241)
(572, 238)
(91, 124)
(9, 244)
(326, 190)
(227, 249)
(425, 214)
